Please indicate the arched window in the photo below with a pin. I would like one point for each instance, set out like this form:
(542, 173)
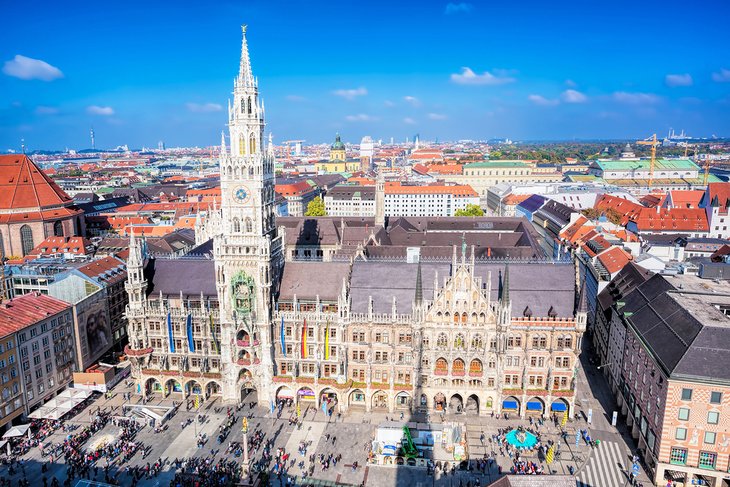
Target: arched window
(458, 367)
(249, 104)
(442, 341)
(459, 341)
(441, 365)
(243, 105)
(568, 341)
(477, 342)
(26, 239)
(456, 317)
(463, 317)
(241, 144)
(475, 367)
(58, 229)
(249, 225)
(236, 225)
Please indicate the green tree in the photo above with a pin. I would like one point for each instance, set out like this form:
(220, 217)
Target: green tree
(470, 210)
(316, 207)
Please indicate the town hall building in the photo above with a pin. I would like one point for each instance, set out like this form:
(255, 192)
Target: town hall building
(404, 314)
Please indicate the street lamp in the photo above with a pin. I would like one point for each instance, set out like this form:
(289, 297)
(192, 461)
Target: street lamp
(604, 365)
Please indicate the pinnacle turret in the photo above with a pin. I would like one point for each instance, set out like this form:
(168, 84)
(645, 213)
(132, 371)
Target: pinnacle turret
(245, 75)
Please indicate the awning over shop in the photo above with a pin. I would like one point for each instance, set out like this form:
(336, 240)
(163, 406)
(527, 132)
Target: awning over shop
(534, 406)
(17, 431)
(558, 406)
(509, 405)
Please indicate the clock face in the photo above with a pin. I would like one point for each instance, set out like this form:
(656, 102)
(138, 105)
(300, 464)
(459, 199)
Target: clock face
(241, 194)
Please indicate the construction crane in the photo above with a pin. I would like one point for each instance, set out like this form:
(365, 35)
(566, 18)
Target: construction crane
(706, 179)
(653, 143)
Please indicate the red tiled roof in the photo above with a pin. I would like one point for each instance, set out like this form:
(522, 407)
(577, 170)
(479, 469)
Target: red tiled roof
(27, 310)
(293, 189)
(688, 198)
(614, 259)
(627, 208)
(721, 191)
(445, 168)
(672, 219)
(52, 214)
(109, 269)
(462, 190)
(57, 245)
(24, 185)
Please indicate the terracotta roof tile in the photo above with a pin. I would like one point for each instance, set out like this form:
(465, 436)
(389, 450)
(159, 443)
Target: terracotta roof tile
(26, 310)
(24, 185)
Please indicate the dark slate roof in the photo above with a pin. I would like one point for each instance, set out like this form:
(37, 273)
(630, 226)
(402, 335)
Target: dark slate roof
(171, 276)
(537, 285)
(557, 212)
(107, 205)
(533, 203)
(624, 283)
(686, 334)
(203, 250)
(345, 192)
(307, 280)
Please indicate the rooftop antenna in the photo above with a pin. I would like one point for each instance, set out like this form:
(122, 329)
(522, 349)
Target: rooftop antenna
(93, 141)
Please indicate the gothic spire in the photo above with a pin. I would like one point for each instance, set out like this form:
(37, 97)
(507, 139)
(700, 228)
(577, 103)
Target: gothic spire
(583, 299)
(419, 285)
(223, 143)
(505, 284)
(245, 76)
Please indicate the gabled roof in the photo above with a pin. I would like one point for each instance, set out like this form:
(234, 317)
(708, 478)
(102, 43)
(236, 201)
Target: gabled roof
(27, 310)
(672, 219)
(614, 259)
(718, 195)
(24, 185)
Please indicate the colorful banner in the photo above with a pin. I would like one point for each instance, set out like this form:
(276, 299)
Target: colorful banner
(327, 341)
(304, 339)
(189, 327)
(283, 343)
(214, 342)
(169, 332)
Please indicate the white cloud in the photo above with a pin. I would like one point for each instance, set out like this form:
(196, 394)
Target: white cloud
(635, 98)
(722, 76)
(469, 77)
(458, 8)
(351, 94)
(41, 110)
(409, 121)
(360, 117)
(678, 80)
(437, 116)
(412, 100)
(573, 96)
(97, 110)
(204, 107)
(542, 101)
(28, 68)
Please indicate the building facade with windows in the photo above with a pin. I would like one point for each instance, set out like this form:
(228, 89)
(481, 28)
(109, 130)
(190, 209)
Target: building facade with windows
(674, 382)
(492, 327)
(43, 333)
(11, 393)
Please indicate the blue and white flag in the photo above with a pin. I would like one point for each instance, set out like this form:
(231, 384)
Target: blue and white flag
(189, 326)
(283, 343)
(271, 404)
(169, 332)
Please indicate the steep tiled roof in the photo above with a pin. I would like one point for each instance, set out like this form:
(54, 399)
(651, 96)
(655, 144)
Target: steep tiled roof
(26, 310)
(614, 259)
(109, 270)
(24, 185)
(672, 219)
(627, 208)
(69, 245)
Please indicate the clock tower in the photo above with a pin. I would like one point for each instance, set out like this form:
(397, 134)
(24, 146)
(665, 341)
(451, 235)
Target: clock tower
(247, 249)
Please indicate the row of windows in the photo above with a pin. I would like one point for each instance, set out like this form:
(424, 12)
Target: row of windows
(706, 459)
(715, 396)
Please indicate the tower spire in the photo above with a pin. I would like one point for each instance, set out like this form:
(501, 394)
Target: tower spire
(505, 285)
(245, 76)
(419, 285)
(223, 143)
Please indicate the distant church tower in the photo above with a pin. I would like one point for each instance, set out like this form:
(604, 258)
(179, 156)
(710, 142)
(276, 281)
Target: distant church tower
(247, 250)
(337, 150)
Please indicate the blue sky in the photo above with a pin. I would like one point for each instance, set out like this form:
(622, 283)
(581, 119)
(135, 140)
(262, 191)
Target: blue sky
(140, 72)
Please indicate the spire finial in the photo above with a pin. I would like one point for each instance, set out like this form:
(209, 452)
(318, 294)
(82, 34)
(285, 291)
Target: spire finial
(244, 74)
(505, 285)
(223, 142)
(419, 284)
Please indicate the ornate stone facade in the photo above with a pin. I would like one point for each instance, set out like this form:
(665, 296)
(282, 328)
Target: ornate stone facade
(385, 333)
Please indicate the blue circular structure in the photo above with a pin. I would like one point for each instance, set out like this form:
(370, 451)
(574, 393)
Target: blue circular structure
(521, 439)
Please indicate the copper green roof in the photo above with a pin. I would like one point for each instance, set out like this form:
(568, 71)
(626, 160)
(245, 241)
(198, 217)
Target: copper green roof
(338, 145)
(643, 164)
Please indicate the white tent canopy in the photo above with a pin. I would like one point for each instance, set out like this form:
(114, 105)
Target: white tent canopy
(61, 404)
(17, 431)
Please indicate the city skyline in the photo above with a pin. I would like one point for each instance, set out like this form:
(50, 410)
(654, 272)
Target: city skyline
(444, 70)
